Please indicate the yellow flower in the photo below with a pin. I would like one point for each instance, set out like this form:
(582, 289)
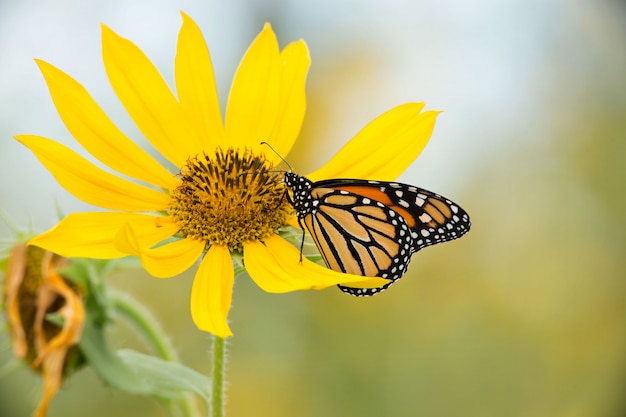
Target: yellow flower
(33, 289)
(225, 195)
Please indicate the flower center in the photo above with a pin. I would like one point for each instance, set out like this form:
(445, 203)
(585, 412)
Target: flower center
(229, 199)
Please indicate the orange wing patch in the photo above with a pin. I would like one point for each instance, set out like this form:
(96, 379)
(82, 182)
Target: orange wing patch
(375, 194)
(438, 210)
(382, 227)
(314, 226)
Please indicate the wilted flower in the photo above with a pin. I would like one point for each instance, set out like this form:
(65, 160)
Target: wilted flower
(45, 315)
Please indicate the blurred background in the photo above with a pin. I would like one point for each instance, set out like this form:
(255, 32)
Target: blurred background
(525, 316)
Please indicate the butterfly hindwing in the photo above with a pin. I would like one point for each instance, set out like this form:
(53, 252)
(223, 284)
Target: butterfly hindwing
(360, 236)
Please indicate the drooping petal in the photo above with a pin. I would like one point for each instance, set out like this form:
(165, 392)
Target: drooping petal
(73, 312)
(275, 267)
(292, 106)
(51, 353)
(384, 148)
(195, 84)
(212, 291)
(13, 279)
(147, 99)
(92, 235)
(52, 370)
(164, 261)
(253, 102)
(90, 183)
(91, 127)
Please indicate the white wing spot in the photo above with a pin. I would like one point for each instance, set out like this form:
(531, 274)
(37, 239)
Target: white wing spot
(425, 218)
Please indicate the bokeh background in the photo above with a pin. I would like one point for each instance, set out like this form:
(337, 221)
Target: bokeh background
(525, 316)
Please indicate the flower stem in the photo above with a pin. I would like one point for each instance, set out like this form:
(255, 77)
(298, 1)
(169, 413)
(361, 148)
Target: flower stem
(154, 336)
(144, 321)
(218, 371)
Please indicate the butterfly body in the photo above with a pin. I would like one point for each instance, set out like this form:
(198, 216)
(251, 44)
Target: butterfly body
(372, 228)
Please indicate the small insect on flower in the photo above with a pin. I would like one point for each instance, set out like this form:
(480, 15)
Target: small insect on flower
(372, 228)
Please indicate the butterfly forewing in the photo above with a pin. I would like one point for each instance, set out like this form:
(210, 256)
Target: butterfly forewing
(431, 217)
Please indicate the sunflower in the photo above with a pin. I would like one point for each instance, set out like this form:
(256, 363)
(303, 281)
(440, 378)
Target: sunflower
(224, 199)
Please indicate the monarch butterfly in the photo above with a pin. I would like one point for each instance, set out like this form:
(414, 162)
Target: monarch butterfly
(372, 228)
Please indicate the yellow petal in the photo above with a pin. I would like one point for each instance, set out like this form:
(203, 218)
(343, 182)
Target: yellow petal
(254, 97)
(292, 221)
(275, 267)
(96, 132)
(195, 84)
(292, 106)
(92, 235)
(212, 292)
(164, 261)
(90, 183)
(384, 148)
(147, 99)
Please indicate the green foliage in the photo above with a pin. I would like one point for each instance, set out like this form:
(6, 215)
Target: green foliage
(165, 378)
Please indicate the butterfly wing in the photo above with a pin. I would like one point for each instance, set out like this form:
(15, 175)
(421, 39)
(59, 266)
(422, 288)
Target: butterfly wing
(359, 236)
(431, 217)
(372, 228)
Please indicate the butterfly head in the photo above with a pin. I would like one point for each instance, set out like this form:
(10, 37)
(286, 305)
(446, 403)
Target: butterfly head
(301, 198)
(296, 182)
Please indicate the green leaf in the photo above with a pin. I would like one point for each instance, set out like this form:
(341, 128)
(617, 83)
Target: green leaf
(108, 364)
(167, 378)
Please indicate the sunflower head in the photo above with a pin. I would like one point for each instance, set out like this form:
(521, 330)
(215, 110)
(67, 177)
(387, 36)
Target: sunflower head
(228, 199)
(223, 195)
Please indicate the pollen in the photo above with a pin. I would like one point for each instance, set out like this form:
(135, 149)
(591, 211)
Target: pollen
(229, 198)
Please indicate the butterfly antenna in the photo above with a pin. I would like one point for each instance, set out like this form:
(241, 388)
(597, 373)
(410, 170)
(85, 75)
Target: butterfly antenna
(277, 154)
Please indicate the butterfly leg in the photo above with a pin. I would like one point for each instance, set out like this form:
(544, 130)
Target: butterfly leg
(303, 236)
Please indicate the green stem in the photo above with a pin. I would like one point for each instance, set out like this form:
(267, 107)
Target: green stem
(218, 371)
(154, 336)
(144, 321)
